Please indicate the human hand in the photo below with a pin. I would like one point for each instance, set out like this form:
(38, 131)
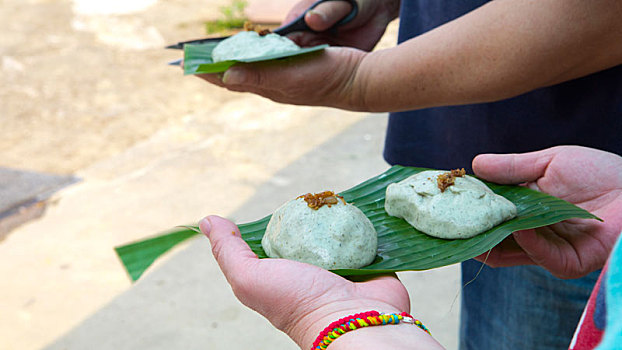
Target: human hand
(297, 298)
(589, 178)
(328, 78)
(318, 79)
(363, 32)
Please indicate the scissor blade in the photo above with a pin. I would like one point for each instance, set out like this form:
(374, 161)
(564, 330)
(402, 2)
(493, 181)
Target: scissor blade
(177, 46)
(180, 45)
(175, 62)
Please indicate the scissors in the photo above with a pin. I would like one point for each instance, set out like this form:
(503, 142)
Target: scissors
(297, 25)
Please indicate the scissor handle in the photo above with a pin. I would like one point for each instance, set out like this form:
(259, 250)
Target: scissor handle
(299, 23)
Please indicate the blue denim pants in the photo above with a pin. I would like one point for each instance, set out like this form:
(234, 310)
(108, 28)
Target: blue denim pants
(522, 307)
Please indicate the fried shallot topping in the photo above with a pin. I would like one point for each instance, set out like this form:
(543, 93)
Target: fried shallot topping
(250, 27)
(447, 179)
(316, 201)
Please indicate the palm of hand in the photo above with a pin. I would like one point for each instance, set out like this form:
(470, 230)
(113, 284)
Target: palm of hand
(306, 293)
(296, 297)
(588, 178)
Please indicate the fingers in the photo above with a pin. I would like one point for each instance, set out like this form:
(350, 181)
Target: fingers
(241, 76)
(386, 287)
(297, 10)
(228, 247)
(325, 15)
(215, 79)
(530, 247)
(506, 253)
(548, 250)
(383, 282)
(293, 72)
(512, 168)
(370, 278)
(319, 78)
(241, 79)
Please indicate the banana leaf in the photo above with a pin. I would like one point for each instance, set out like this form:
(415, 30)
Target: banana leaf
(400, 246)
(198, 58)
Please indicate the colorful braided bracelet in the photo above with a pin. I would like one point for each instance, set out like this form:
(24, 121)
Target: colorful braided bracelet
(364, 319)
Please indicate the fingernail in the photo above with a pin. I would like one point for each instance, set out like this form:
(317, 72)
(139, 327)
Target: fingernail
(234, 77)
(205, 226)
(319, 14)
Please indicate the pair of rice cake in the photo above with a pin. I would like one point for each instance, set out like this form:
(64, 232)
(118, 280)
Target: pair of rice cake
(324, 230)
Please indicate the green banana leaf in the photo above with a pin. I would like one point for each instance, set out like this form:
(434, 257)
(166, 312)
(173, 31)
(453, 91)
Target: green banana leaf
(400, 246)
(198, 58)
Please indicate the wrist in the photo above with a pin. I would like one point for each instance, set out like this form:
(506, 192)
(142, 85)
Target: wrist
(350, 91)
(400, 336)
(365, 87)
(306, 327)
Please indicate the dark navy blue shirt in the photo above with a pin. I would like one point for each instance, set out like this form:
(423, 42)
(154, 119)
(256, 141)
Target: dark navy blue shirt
(585, 111)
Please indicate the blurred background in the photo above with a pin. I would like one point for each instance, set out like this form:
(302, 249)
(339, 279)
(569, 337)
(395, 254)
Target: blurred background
(102, 143)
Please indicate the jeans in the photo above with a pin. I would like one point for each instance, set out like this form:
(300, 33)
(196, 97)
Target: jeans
(522, 307)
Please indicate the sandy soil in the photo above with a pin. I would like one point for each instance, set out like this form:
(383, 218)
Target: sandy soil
(81, 82)
(85, 90)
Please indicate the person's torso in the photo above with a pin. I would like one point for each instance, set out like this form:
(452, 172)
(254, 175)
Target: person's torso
(585, 111)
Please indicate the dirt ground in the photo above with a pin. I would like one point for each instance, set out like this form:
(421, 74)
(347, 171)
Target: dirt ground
(85, 90)
(84, 80)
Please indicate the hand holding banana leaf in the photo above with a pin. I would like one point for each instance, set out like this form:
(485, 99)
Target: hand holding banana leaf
(590, 179)
(297, 298)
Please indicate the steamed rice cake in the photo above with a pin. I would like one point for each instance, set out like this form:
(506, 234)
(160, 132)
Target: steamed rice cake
(333, 236)
(250, 44)
(446, 206)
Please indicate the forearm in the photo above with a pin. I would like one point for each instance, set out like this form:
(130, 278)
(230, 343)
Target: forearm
(497, 51)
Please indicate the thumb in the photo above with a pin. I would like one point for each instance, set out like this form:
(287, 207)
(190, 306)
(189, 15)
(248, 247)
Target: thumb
(326, 14)
(228, 247)
(512, 168)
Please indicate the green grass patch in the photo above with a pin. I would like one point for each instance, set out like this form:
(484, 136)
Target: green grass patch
(233, 19)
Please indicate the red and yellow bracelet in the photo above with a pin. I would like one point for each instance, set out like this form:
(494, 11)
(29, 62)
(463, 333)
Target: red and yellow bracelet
(364, 319)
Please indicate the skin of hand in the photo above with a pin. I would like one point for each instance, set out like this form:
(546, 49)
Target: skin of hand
(302, 299)
(330, 72)
(499, 50)
(588, 178)
(363, 32)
